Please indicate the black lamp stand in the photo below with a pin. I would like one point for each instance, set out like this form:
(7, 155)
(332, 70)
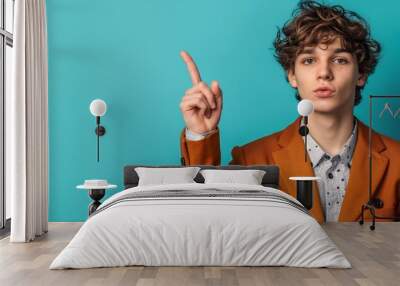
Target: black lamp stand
(304, 132)
(100, 131)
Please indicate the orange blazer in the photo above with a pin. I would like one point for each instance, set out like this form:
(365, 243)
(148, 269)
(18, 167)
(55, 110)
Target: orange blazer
(286, 149)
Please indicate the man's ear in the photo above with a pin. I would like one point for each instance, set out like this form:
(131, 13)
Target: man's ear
(292, 78)
(361, 80)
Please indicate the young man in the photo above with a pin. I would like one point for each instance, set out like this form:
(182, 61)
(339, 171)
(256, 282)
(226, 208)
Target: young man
(327, 54)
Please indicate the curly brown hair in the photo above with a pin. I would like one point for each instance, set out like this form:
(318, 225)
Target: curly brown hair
(314, 23)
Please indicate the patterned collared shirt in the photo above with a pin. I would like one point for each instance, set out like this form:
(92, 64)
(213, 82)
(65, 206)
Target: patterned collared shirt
(334, 173)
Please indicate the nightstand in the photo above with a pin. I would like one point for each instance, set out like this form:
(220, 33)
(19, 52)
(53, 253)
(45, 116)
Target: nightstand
(304, 190)
(97, 190)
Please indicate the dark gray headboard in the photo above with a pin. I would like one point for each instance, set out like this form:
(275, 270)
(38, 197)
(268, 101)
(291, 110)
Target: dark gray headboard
(270, 179)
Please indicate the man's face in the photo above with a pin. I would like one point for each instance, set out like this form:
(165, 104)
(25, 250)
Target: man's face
(327, 75)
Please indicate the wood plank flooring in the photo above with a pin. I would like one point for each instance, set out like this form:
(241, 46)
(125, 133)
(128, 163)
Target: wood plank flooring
(374, 255)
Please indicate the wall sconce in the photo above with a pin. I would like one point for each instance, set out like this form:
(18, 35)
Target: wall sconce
(98, 108)
(304, 184)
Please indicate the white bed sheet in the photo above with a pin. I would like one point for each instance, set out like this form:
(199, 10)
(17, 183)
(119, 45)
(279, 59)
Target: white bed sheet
(200, 231)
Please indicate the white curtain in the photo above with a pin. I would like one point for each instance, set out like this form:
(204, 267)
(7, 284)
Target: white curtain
(27, 124)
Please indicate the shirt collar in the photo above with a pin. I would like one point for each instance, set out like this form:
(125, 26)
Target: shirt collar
(318, 155)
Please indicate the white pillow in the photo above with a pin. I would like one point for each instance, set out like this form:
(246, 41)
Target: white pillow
(161, 176)
(249, 177)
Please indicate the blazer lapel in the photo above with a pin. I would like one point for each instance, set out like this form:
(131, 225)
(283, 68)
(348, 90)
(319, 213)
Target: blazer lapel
(290, 159)
(357, 189)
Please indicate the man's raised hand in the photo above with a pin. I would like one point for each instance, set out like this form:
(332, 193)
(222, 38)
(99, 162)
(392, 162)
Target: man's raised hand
(201, 106)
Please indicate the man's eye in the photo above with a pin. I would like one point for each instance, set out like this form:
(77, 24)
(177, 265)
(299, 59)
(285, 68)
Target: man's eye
(307, 61)
(341, 61)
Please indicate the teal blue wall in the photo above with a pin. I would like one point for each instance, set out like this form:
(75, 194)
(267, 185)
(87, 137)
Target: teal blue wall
(127, 53)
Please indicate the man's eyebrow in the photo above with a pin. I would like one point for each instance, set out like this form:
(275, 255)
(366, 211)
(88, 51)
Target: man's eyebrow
(307, 51)
(341, 50)
(312, 50)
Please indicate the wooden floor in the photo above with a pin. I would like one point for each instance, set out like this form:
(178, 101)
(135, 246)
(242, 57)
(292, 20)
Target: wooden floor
(374, 255)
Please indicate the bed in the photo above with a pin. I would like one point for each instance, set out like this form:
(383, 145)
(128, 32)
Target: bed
(201, 224)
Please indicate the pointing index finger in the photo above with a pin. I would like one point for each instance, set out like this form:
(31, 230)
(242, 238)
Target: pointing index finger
(192, 68)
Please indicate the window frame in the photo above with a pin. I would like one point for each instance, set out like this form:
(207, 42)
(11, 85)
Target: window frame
(6, 39)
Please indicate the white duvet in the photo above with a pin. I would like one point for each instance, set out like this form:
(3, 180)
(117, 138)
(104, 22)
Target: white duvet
(200, 231)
